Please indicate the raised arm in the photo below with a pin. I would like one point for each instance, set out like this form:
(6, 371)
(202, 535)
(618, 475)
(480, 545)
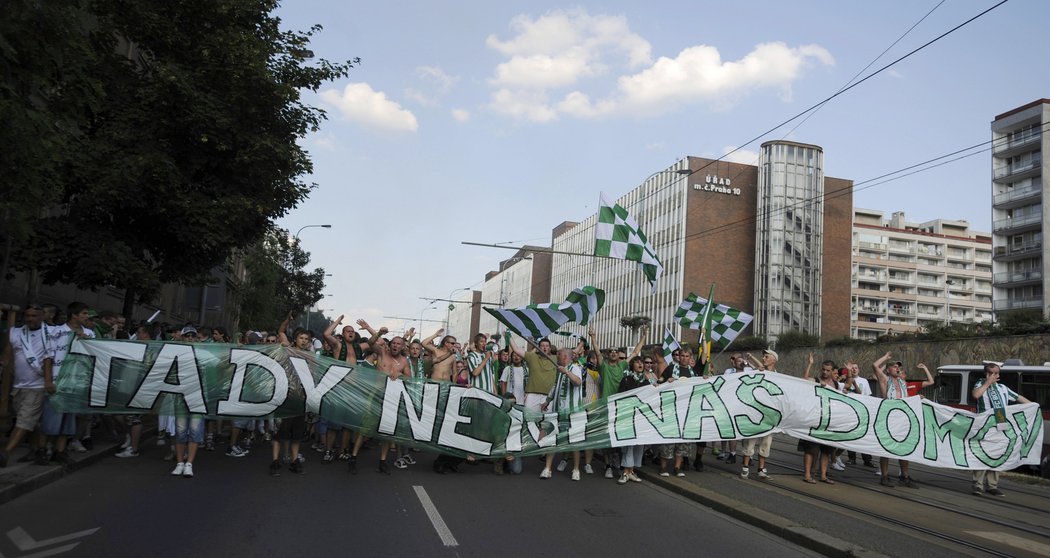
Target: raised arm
(520, 351)
(641, 342)
(879, 366)
(809, 367)
(929, 377)
(597, 349)
(282, 331)
(329, 335)
(428, 343)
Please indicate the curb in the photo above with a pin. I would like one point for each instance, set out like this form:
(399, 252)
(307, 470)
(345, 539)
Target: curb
(806, 537)
(32, 477)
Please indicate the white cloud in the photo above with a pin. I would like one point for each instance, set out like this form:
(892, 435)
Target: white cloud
(461, 115)
(359, 103)
(564, 49)
(743, 156)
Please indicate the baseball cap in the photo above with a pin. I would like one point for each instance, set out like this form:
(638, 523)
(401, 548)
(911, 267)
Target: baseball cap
(771, 352)
(898, 363)
(187, 330)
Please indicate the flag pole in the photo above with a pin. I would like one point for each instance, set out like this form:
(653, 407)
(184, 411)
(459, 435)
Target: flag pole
(705, 343)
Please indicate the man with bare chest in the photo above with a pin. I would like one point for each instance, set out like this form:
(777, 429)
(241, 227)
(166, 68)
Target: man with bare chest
(442, 358)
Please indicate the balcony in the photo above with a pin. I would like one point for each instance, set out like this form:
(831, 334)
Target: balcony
(982, 256)
(902, 248)
(901, 311)
(1005, 148)
(872, 246)
(1018, 251)
(1016, 197)
(1018, 303)
(1013, 173)
(1017, 278)
(1023, 222)
(900, 278)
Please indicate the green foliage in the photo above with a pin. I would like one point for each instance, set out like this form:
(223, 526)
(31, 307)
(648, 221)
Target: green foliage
(846, 342)
(276, 281)
(795, 339)
(185, 146)
(749, 343)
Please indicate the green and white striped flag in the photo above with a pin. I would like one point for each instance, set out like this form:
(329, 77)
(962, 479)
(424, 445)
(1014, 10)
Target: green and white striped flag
(540, 320)
(670, 345)
(616, 235)
(726, 322)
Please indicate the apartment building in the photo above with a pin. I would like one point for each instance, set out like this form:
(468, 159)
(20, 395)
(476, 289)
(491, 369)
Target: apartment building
(906, 276)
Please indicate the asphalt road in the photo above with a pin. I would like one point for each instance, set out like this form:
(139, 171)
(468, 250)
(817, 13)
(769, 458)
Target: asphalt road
(233, 507)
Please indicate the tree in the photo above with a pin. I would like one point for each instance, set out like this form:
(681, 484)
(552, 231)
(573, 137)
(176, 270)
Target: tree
(192, 151)
(277, 281)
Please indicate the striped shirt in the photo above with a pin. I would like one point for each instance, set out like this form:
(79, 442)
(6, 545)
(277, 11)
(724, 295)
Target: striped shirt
(985, 404)
(486, 379)
(565, 395)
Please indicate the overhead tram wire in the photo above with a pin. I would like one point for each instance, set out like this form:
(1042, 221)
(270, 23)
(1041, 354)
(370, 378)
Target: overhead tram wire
(834, 95)
(869, 183)
(862, 70)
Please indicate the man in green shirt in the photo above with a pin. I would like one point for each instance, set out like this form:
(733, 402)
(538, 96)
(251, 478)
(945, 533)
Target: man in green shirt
(611, 369)
(542, 373)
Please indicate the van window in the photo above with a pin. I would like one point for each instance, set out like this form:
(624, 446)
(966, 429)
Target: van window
(1036, 388)
(947, 389)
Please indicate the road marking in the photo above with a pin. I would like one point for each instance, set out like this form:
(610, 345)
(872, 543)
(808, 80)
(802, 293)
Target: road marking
(24, 541)
(1014, 541)
(435, 517)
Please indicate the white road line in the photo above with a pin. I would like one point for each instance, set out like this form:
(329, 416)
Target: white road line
(435, 517)
(1014, 541)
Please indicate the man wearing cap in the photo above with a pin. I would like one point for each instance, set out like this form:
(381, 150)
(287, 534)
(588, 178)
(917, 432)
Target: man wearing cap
(990, 395)
(892, 385)
(765, 443)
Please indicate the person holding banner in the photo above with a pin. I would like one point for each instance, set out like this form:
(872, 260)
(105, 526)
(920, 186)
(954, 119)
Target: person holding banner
(441, 358)
(635, 378)
(565, 395)
(764, 443)
(893, 386)
(990, 395)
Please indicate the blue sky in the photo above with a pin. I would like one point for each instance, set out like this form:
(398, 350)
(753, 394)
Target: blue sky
(495, 121)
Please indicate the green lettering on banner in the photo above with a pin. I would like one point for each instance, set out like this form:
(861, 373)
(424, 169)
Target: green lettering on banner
(746, 394)
(666, 423)
(905, 446)
(977, 445)
(860, 414)
(706, 404)
(955, 429)
(1028, 435)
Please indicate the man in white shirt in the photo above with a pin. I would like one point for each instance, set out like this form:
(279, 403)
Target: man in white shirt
(28, 356)
(56, 426)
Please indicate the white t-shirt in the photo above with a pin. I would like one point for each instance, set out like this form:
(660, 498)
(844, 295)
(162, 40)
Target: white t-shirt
(30, 348)
(515, 378)
(61, 338)
(863, 385)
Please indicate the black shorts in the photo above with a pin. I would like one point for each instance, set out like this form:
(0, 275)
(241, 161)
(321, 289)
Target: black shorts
(293, 429)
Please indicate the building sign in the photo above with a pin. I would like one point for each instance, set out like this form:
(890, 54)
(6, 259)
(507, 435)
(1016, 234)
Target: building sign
(717, 184)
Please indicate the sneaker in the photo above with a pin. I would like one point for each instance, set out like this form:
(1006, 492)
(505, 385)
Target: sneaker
(587, 469)
(179, 468)
(744, 472)
(128, 452)
(61, 457)
(562, 465)
(623, 478)
(995, 492)
(87, 443)
(575, 474)
(838, 466)
(633, 477)
(383, 468)
(296, 467)
(345, 456)
(268, 436)
(731, 459)
(127, 442)
(236, 451)
(679, 473)
(329, 456)
(187, 471)
(977, 491)
(885, 481)
(664, 474)
(40, 457)
(722, 456)
(545, 473)
(409, 459)
(209, 445)
(717, 452)
(161, 439)
(762, 474)
(275, 468)
(76, 446)
(400, 463)
(318, 447)
(698, 466)
(838, 461)
(609, 473)
(908, 483)
(300, 458)
(351, 465)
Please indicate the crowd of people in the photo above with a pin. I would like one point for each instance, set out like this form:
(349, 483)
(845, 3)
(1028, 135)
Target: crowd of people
(541, 378)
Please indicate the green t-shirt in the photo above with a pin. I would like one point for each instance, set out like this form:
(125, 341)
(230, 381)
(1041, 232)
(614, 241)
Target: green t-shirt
(612, 374)
(542, 373)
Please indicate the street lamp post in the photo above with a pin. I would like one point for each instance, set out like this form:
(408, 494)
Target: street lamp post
(448, 313)
(308, 227)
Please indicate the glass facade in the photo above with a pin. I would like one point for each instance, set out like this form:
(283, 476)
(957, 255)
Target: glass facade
(789, 239)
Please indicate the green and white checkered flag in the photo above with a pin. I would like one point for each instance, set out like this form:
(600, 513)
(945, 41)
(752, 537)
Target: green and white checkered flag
(670, 345)
(540, 320)
(726, 322)
(616, 235)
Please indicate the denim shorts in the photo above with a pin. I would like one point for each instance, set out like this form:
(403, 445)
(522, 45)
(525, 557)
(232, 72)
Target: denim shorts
(189, 428)
(54, 423)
